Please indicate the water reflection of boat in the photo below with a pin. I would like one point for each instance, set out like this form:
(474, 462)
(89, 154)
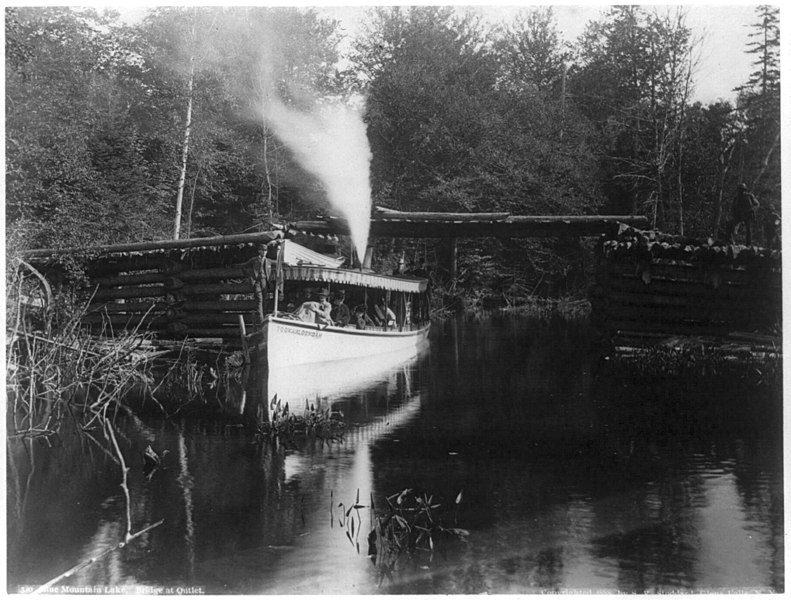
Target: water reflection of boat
(331, 380)
(288, 340)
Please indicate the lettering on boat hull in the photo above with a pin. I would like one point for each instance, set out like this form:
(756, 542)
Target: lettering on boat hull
(296, 331)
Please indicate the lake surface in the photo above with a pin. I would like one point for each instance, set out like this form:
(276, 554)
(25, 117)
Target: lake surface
(573, 477)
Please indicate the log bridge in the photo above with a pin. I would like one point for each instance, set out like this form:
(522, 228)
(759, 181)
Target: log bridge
(216, 288)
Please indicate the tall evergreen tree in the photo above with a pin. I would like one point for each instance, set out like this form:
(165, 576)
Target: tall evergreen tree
(759, 107)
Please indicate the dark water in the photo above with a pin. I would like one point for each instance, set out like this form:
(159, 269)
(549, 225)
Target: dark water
(573, 479)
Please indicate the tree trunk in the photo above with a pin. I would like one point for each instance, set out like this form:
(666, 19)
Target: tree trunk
(718, 211)
(192, 202)
(267, 172)
(681, 141)
(187, 129)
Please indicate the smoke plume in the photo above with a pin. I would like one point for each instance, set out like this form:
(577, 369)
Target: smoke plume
(331, 143)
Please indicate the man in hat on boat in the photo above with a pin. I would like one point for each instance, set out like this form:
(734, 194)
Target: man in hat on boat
(317, 310)
(325, 308)
(340, 314)
(744, 208)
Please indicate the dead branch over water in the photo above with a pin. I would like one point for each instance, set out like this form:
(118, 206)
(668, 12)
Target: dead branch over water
(47, 586)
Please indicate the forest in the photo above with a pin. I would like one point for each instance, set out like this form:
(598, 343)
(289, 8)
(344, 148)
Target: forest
(155, 130)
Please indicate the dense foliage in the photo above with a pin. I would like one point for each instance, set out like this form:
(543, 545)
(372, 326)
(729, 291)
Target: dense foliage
(461, 116)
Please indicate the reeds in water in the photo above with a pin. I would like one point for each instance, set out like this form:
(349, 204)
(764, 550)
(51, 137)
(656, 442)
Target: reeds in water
(55, 367)
(406, 525)
(681, 358)
(290, 427)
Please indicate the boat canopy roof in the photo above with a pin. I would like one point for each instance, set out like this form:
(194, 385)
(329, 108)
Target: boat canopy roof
(350, 277)
(304, 264)
(296, 254)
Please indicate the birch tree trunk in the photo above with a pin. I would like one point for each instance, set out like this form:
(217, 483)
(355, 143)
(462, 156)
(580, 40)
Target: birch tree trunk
(192, 201)
(187, 129)
(681, 141)
(267, 172)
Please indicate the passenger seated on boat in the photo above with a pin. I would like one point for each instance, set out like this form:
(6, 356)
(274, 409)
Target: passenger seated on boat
(316, 311)
(361, 318)
(290, 303)
(340, 314)
(380, 310)
(325, 308)
(325, 315)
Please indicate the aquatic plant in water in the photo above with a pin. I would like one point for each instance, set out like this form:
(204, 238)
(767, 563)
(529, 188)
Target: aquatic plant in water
(692, 358)
(289, 427)
(407, 525)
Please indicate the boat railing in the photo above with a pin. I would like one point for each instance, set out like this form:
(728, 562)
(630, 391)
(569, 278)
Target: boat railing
(391, 328)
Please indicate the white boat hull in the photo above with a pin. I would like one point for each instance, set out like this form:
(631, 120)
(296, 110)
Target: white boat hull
(331, 380)
(288, 342)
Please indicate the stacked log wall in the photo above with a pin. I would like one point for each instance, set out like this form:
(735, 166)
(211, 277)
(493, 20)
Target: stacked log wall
(184, 293)
(650, 287)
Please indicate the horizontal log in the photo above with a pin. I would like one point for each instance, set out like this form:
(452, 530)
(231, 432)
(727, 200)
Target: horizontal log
(171, 262)
(197, 289)
(708, 276)
(221, 332)
(181, 303)
(615, 299)
(126, 307)
(669, 329)
(702, 315)
(761, 318)
(103, 267)
(758, 263)
(156, 290)
(206, 319)
(126, 321)
(263, 237)
(214, 274)
(682, 288)
(130, 279)
(148, 291)
(617, 251)
(458, 225)
(387, 214)
(757, 338)
(644, 339)
(623, 336)
(220, 305)
(159, 318)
